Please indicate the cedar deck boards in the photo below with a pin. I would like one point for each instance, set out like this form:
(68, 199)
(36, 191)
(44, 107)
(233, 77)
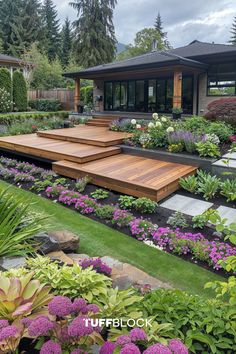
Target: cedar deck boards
(55, 150)
(91, 135)
(137, 176)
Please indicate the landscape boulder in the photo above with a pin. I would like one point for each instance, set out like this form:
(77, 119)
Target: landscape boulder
(67, 240)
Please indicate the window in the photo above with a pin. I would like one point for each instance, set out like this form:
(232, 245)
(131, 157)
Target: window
(152, 95)
(222, 80)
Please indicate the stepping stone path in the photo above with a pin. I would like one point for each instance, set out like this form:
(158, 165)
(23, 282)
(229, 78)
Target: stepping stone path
(227, 213)
(186, 205)
(226, 164)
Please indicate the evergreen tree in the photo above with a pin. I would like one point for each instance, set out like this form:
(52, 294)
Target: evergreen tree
(66, 46)
(19, 91)
(95, 35)
(51, 29)
(233, 32)
(163, 35)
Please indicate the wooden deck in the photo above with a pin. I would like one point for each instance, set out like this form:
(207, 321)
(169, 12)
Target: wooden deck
(98, 136)
(133, 175)
(52, 149)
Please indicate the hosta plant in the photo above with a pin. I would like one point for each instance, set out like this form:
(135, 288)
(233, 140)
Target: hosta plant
(20, 297)
(228, 189)
(208, 185)
(189, 184)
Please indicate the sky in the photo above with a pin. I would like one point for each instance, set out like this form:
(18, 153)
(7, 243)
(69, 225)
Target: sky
(184, 20)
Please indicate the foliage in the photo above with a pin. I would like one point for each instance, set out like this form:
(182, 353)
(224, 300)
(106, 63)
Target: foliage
(20, 92)
(105, 212)
(96, 264)
(208, 185)
(86, 95)
(204, 325)
(5, 81)
(17, 228)
(144, 205)
(95, 41)
(163, 35)
(81, 183)
(177, 110)
(39, 186)
(221, 129)
(5, 101)
(228, 189)
(233, 33)
(126, 202)
(66, 45)
(189, 183)
(20, 297)
(69, 281)
(11, 118)
(47, 105)
(176, 147)
(177, 220)
(100, 194)
(222, 109)
(207, 149)
(200, 221)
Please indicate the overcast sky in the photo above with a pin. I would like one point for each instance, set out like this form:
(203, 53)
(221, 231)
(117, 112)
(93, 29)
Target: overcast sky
(184, 20)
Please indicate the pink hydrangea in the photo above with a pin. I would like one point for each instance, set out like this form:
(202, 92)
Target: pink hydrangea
(41, 326)
(177, 347)
(79, 327)
(3, 323)
(8, 332)
(123, 339)
(107, 348)
(51, 347)
(137, 334)
(60, 306)
(157, 349)
(130, 349)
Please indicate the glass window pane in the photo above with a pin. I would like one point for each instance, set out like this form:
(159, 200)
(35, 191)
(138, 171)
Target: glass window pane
(108, 96)
(169, 95)
(131, 95)
(221, 91)
(161, 95)
(151, 95)
(140, 97)
(123, 96)
(187, 94)
(116, 96)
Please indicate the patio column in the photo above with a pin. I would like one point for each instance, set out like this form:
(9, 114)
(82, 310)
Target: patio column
(77, 93)
(177, 93)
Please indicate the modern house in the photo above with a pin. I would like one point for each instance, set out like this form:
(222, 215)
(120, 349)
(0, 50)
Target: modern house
(189, 77)
(12, 64)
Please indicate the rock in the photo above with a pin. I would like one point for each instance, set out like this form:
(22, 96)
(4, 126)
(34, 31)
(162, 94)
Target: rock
(7, 263)
(122, 282)
(60, 256)
(76, 257)
(46, 243)
(67, 241)
(112, 263)
(218, 234)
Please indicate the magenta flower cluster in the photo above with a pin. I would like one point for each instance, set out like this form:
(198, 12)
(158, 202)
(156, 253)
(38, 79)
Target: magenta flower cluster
(7, 331)
(97, 264)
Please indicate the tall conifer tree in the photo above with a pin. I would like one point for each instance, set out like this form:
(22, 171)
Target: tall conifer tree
(50, 29)
(163, 35)
(66, 45)
(233, 33)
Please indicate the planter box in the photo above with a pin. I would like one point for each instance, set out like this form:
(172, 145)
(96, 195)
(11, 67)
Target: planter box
(158, 154)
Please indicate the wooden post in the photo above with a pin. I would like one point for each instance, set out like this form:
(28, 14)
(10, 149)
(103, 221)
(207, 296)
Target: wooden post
(177, 94)
(77, 93)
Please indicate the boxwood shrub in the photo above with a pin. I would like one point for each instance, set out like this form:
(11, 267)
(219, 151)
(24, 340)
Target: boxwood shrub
(12, 118)
(45, 105)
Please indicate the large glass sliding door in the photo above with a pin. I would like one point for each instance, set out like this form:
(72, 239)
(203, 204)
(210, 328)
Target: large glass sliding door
(151, 95)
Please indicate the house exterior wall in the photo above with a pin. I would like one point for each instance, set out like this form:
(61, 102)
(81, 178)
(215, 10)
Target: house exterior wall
(204, 99)
(98, 90)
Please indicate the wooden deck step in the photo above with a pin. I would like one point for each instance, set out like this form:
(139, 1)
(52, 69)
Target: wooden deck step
(97, 124)
(84, 134)
(52, 149)
(133, 175)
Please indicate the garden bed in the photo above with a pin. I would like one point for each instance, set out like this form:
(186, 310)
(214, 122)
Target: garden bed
(159, 218)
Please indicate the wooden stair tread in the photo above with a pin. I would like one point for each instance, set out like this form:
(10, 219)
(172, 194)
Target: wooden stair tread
(130, 174)
(54, 150)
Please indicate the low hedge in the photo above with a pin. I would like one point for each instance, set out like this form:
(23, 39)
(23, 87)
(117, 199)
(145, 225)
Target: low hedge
(45, 105)
(12, 118)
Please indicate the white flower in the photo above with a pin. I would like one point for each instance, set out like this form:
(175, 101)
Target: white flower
(138, 126)
(152, 244)
(133, 121)
(155, 116)
(158, 124)
(170, 130)
(151, 125)
(163, 119)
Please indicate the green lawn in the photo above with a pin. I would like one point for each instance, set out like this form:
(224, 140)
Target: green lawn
(99, 240)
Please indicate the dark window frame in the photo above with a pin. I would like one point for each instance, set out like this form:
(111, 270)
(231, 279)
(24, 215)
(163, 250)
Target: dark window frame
(217, 77)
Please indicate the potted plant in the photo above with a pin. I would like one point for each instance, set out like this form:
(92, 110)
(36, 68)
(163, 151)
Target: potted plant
(176, 113)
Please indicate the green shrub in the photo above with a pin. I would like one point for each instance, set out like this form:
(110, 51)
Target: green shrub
(81, 183)
(221, 129)
(228, 189)
(126, 202)
(207, 149)
(13, 118)
(208, 185)
(189, 184)
(5, 101)
(145, 205)
(5, 80)
(205, 326)
(100, 194)
(177, 219)
(86, 95)
(19, 92)
(45, 105)
(105, 212)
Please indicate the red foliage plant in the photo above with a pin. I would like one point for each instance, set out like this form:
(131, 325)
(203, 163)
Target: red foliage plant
(222, 109)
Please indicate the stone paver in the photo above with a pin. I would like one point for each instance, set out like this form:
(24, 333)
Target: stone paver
(186, 205)
(227, 213)
(231, 163)
(231, 155)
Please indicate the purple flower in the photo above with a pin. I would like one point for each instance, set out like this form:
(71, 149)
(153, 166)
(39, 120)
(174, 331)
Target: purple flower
(97, 265)
(78, 351)
(8, 332)
(177, 347)
(157, 349)
(130, 349)
(107, 348)
(51, 347)
(122, 340)
(60, 306)
(41, 326)
(26, 321)
(80, 305)
(92, 308)
(79, 327)
(3, 323)
(137, 334)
